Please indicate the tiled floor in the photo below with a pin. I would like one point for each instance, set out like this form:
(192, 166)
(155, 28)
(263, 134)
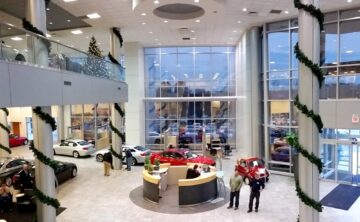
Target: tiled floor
(91, 197)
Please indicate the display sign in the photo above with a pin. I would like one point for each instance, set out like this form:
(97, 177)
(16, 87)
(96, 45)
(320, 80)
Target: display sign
(355, 118)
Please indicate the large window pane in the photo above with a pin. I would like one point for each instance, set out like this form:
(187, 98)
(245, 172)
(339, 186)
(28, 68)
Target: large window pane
(329, 45)
(349, 86)
(328, 91)
(278, 50)
(278, 89)
(349, 36)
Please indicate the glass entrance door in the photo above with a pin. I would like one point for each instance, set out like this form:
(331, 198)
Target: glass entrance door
(356, 164)
(344, 168)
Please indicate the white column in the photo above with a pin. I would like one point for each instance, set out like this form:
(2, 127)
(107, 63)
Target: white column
(309, 42)
(4, 136)
(117, 122)
(60, 123)
(135, 108)
(44, 175)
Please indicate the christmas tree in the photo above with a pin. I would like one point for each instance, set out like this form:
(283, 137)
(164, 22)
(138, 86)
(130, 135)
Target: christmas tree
(95, 64)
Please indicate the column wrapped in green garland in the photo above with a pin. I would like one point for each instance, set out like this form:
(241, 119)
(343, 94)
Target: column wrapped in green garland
(117, 132)
(44, 159)
(6, 131)
(293, 138)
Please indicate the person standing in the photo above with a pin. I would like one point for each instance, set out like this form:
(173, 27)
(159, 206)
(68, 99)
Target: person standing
(236, 182)
(256, 186)
(129, 158)
(107, 163)
(26, 181)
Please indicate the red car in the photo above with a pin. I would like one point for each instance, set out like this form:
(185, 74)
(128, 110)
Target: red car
(178, 157)
(15, 140)
(250, 166)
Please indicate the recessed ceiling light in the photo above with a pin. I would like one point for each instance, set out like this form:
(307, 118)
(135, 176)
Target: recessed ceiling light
(93, 15)
(47, 9)
(150, 32)
(238, 21)
(198, 20)
(192, 31)
(16, 38)
(9, 28)
(234, 30)
(9, 24)
(166, 21)
(70, 0)
(50, 23)
(69, 20)
(48, 35)
(349, 1)
(196, 1)
(144, 23)
(156, 2)
(244, 9)
(143, 14)
(286, 12)
(76, 32)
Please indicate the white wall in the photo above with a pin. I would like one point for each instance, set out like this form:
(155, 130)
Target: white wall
(338, 114)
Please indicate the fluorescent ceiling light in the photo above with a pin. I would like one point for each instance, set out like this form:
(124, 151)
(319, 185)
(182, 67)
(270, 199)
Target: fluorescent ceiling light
(192, 31)
(69, 0)
(286, 12)
(10, 24)
(198, 20)
(48, 35)
(239, 21)
(144, 23)
(93, 15)
(16, 38)
(150, 32)
(349, 51)
(143, 14)
(196, 1)
(69, 20)
(234, 30)
(244, 9)
(166, 21)
(349, 1)
(156, 2)
(76, 32)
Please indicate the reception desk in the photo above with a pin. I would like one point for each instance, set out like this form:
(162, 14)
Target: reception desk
(191, 191)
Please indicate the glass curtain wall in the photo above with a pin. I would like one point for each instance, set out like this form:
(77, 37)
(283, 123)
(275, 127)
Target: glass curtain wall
(186, 95)
(340, 61)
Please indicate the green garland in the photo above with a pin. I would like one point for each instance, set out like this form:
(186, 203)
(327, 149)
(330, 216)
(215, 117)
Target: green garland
(28, 26)
(117, 132)
(315, 68)
(47, 2)
(45, 117)
(120, 111)
(114, 153)
(309, 113)
(315, 12)
(293, 139)
(45, 199)
(42, 158)
(5, 128)
(306, 199)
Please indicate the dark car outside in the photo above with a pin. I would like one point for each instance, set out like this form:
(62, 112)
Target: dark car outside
(9, 167)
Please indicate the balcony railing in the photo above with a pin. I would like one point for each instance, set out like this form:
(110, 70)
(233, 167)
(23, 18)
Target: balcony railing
(19, 45)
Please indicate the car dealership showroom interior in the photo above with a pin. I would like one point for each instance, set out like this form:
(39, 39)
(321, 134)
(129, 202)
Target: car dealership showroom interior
(179, 110)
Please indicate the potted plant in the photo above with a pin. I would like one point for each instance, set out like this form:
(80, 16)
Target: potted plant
(150, 168)
(157, 164)
(147, 162)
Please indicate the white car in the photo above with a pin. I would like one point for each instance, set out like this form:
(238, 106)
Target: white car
(138, 152)
(75, 148)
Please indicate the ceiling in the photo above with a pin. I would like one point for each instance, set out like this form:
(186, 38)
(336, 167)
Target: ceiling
(222, 23)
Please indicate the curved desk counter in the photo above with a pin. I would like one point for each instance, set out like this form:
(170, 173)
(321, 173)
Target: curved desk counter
(198, 190)
(151, 186)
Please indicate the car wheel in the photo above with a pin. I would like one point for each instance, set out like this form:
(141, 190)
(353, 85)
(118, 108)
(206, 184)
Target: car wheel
(76, 154)
(246, 180)
(99, 158)
(134, 161)
(25, 142)
(8, 181)
(73, 172)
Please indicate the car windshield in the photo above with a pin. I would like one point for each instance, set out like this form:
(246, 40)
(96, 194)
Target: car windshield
(82, 143)
(257, 162)
(141, 148)
(190, 155)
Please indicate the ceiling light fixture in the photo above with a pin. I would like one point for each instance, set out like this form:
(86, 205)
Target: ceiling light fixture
(198, 20)
(50, 23)
(47, 9)
(286, 12)
(192, 31)
(76, 32)
(70, 0)
(150, 32)
(16, 38)
(234, 30)
(9, 24)
(349, 1)
(93, 15)
(166, 21)
(9, 28)
(48, 35)
(349, 51)
(193, 38)
(244, 9)
(143, 14)
(156, 2)
(238, 21)
(69, 20)
(196, 1)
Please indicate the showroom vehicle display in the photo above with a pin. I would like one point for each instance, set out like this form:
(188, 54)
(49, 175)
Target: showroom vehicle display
(9, 167)
(63, 172)
(15, 140)
(281, 154)
(138, 152)
(180, 157)
(250, 166)
(75, 148)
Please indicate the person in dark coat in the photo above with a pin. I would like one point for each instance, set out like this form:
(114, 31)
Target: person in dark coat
(107, 163)
(256, 185)
(26, 181)
(129, 157)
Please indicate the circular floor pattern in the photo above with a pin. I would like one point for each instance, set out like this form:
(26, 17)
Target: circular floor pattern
(169, 202)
